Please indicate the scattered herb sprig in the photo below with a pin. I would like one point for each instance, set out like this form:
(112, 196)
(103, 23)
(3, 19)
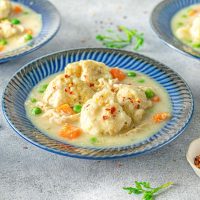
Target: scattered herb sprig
(115, 40)
(146, 189)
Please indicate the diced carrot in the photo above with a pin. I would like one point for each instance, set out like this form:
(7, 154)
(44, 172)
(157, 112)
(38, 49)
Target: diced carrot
(160, 117)
(117, 73)
(28, 31)
(155, 99)
(65, 108)
(192, 12)
(1, 48)
(17, 9)
(70, 132)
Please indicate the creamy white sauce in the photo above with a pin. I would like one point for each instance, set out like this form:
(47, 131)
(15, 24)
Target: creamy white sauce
(29, 20)
(144, 130)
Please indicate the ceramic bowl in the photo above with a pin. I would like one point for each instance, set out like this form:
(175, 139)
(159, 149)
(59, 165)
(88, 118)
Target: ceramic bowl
(50, 26)
(193, 151)
(29, 75)
(160, 20)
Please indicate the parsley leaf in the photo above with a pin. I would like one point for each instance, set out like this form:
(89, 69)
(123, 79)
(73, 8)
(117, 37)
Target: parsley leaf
(146, 189)
(114, 40)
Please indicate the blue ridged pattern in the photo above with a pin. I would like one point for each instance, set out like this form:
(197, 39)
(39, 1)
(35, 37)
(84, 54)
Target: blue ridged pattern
(161, 24)
(50, 26)
(28, 76)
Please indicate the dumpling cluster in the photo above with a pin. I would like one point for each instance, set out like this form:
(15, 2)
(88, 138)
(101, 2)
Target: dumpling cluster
(5, 9)
(109, 107)
(191, 31)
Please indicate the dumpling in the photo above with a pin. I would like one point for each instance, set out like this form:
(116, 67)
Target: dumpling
(70, 90)
(5, 8)
(7, 29)
(183, 32)
(133, 100)
(195, 30)
(102, 115)
(89, 71)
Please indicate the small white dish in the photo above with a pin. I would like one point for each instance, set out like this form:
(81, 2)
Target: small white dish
(193, 151)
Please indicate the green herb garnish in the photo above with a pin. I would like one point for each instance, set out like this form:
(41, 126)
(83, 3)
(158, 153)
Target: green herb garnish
(43, 88)
(114, 40)
(145, 189)
(25, 12)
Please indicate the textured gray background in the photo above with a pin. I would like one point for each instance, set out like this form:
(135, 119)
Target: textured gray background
(29, 173)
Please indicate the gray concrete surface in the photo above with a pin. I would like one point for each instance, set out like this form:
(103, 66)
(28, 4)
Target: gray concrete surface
(29, 173)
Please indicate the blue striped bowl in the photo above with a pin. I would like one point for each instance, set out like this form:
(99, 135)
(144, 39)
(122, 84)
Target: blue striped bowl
(51, 24)
(161, 18)
(29, 75)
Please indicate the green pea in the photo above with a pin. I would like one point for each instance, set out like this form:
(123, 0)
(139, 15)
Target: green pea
(3, 42)
(15, 21)
(149, 93)
(28, 37)
(33, 100)
(93, 140)
(43, 88)
(141, 81)
(26, 13)
(197, 45)
(36, 111)
(180, 24)
(131, 74)
(77, 108)
(184, 16)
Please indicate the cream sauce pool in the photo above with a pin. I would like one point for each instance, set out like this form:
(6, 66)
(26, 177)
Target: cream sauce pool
(146, 129)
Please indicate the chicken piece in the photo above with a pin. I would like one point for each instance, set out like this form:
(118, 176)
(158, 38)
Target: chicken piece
(89, 71)
(102, 115)
(195, 30)
(133, 100)
(8, 30)
(70, 90)
(5, 8)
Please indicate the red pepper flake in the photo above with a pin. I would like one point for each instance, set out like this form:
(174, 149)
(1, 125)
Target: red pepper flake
(67, 76)
(105, 117)
(112, 110)
(112, 89)
(107, 109)
(197, 161)
(91, 84)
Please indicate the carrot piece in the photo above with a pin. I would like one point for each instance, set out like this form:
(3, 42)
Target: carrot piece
(192, 12)
(160, 117)
(17, 9)
(1, 48)
(70, 132)
(28, 31)
(117, 73)
(65, 108)
(155, 99)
